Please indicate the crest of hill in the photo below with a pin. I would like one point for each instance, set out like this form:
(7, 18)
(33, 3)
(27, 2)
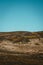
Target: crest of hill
(20, 35)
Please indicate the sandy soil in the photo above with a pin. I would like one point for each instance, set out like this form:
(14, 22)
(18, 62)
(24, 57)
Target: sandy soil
(23, 48)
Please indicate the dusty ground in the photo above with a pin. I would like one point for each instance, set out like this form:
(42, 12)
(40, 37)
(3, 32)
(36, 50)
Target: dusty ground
(21, 48)
(29, 47)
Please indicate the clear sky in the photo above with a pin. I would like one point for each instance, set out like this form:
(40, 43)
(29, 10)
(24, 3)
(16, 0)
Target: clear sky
(21, 15)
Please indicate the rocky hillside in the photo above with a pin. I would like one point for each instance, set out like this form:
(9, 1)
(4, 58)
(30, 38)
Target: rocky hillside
(21, 36)
(24, 42)
(21, 48)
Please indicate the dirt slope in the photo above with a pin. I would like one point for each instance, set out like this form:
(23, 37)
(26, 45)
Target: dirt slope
(21, 48)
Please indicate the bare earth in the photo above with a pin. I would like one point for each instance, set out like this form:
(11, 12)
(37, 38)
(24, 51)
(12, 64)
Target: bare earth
(21, 48)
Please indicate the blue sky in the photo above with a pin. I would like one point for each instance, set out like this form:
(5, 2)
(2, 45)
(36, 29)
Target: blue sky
(21, 15)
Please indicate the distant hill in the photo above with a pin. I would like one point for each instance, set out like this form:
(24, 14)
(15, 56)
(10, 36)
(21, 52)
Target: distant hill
(20, 36)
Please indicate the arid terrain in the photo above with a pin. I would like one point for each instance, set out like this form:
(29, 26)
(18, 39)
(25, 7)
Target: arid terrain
(21, 48)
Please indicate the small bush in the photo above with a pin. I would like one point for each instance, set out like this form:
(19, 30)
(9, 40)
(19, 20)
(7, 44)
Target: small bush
(36, 43)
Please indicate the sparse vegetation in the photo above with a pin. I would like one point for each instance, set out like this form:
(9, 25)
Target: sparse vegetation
(20, 36)
(21, 48)
(37, 44)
